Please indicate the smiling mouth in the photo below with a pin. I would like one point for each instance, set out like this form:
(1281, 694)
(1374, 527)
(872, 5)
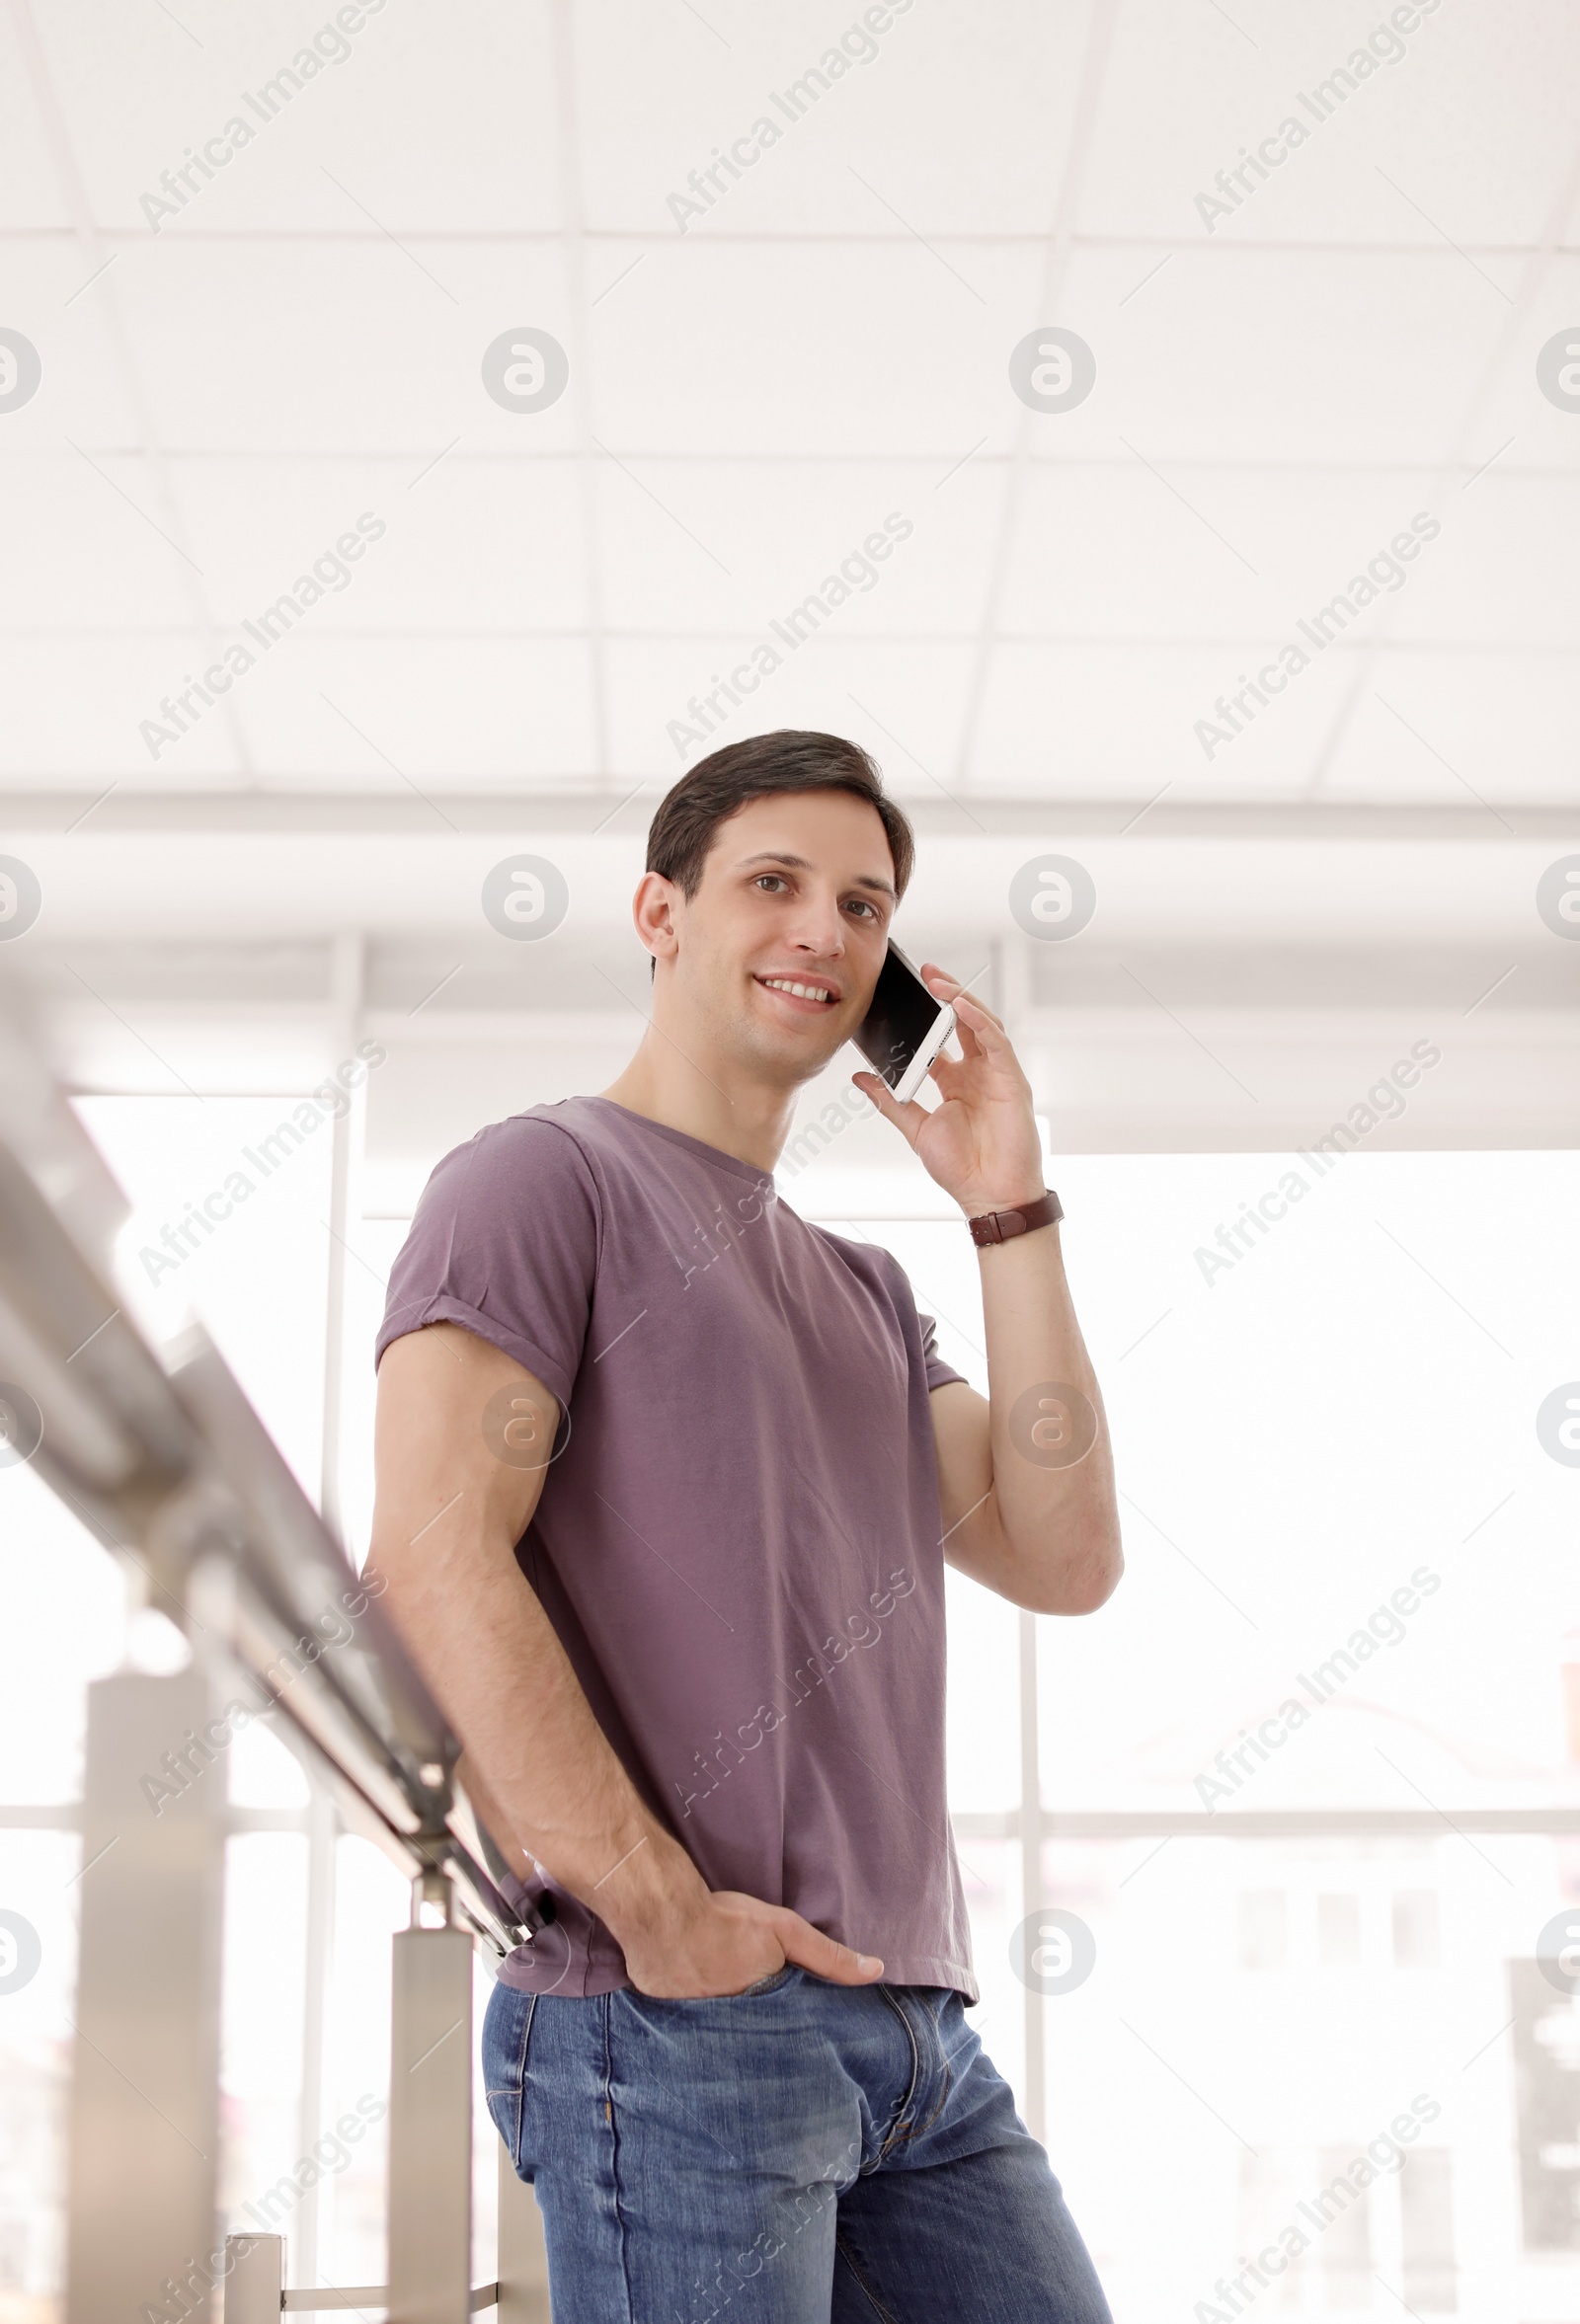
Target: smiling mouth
(802, 990)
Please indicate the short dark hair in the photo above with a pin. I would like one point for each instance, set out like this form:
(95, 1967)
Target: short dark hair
(788, 759)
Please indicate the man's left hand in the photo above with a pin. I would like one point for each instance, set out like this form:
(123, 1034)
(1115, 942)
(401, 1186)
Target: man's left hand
(980, 1142)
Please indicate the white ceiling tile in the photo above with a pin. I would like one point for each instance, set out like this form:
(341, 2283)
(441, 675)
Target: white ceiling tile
(904, 702)
(82, 394)
(1497, 727)
(812, 348)
(1504, 571)
(750, 399)
(958, 122)
(1353, 358)
(792, 528)
(1077, 722)
(338, 346)
(433, 123)
(1116, 550)
(100, 546)
(478, 545)
(1473, 119)
(74, 706)
(404, 714)
(31, 195)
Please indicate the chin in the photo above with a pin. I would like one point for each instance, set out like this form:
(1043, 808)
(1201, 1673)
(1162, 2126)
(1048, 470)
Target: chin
(791, 1061)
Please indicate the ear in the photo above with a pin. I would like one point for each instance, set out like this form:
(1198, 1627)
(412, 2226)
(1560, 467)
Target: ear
(656, 910)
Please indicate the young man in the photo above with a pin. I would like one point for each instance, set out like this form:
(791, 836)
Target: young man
(667, 1484)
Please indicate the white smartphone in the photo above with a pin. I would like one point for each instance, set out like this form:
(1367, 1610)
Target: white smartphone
(905, 1028)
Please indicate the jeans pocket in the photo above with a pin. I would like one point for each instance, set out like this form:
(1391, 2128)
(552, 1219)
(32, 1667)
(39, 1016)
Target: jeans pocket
(768, 1984)
(507, 2040)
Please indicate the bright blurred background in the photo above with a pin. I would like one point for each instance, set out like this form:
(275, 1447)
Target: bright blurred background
(1306, 1413)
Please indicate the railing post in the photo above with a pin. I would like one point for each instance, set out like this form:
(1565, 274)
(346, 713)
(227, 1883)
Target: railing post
(145, 2062)
(523, 2265)
(256, 2278)
(431, 2116)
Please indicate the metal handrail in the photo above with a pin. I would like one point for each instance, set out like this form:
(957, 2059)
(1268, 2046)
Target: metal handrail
(340, 2297)
(161, 1449)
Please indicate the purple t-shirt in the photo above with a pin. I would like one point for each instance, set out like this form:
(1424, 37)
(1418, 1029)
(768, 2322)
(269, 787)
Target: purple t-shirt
(738, 1540)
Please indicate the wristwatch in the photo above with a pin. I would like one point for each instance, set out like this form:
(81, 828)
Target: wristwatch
(1001, 1226)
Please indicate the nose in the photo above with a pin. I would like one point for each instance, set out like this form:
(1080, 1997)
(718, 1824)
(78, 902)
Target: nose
(820, 928)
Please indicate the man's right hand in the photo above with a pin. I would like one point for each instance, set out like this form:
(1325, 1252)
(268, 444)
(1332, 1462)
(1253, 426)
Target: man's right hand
(714, 1942)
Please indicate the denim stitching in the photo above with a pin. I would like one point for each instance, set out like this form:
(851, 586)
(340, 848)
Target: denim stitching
(916, 2129)
(521, 2076)
(516, 2090)
(863, 2285)
(916, 2076)
(606, 2000)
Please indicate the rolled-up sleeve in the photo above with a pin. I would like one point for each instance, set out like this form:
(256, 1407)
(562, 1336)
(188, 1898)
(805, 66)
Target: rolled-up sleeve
(939, 1373)
(504, 1242)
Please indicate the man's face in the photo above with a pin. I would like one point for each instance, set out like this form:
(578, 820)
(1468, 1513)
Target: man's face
(781, 945)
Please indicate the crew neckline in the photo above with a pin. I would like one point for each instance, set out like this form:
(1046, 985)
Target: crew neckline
(761, 1179)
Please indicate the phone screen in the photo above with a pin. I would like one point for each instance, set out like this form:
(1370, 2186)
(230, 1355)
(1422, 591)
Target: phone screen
(901, 1017)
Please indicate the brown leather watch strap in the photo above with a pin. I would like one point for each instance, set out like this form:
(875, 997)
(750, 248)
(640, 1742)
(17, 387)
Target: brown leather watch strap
(1001, 1226)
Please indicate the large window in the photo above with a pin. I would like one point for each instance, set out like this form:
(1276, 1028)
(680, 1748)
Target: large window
(1319, 2035)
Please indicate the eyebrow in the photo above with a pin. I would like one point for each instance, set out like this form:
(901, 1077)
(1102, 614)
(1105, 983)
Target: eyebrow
(799, 863)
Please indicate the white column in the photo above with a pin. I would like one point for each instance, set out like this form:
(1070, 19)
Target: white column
(323, 1831)
(347, 972)
(256, 2278)
(344, 1208)
(145, 2061)
(430, 2127)
(523, 2266)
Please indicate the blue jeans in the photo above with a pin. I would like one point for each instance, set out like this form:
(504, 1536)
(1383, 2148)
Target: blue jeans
(800, 2153)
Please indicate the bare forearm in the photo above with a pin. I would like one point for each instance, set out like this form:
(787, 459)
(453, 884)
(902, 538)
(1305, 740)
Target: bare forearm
(449, 1512)
(540, 1760)
(1027, 1485)
(1053, 1467)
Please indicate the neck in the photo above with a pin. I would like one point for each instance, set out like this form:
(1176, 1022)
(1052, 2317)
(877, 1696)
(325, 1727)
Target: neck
(722, 1106)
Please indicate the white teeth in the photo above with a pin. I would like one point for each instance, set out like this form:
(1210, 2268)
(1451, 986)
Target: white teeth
(806, 993)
